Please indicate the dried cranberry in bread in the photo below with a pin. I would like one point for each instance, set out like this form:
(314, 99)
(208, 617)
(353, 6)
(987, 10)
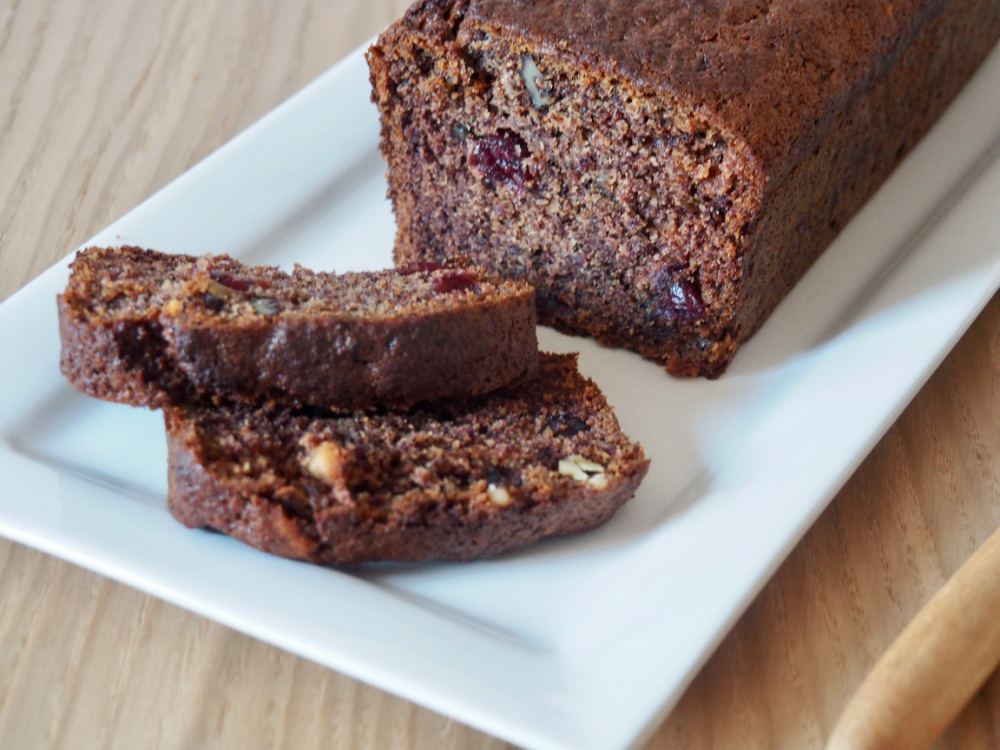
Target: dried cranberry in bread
(449, 481)
(661, 171)
(148, 329)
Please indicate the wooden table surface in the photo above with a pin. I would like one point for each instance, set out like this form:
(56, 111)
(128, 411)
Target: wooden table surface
(102, 102)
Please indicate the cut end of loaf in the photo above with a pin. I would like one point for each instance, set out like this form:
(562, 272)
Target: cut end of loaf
(626, 210)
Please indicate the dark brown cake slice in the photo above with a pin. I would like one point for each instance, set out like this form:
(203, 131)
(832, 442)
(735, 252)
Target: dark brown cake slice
(148, 329)
(661, 171)
(450, 481)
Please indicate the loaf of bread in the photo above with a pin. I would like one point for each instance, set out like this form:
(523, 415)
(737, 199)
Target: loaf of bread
(455, 480)
(149, 329)
(662, 171)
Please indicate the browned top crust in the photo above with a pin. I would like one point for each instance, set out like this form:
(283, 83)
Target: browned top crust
(449, 481)
(774, 73)
(149, 329)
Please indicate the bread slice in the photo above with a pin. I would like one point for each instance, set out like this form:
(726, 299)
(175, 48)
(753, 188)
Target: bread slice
(149, 329)
(449, 481)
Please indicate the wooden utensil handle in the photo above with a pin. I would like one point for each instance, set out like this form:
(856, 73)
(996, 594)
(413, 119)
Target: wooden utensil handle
(935, 666)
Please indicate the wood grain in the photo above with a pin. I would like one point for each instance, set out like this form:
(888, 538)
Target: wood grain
(935, 666)
(102, 102)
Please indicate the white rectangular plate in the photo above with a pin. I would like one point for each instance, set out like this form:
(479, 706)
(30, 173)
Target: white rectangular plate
(579, 643)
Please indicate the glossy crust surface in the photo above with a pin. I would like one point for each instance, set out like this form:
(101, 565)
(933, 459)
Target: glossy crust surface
(451, 481)
(662, 171)
(151, 329)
